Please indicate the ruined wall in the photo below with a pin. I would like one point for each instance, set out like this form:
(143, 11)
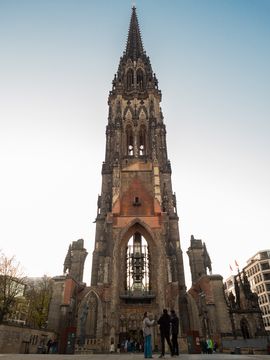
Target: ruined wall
(22, 340)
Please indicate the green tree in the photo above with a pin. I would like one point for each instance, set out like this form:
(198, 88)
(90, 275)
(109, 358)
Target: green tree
(12, 284)
(38, 294)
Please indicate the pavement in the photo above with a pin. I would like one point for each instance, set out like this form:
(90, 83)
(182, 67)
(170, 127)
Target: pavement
(129, 356)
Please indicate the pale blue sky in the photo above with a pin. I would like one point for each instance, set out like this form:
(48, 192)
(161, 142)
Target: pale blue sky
(57, 61)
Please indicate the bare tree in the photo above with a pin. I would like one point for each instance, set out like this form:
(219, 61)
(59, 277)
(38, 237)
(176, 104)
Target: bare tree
(12, 284)
(38, 294)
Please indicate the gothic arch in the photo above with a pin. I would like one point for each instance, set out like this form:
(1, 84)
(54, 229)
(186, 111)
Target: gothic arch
(136, 254)
(90, 317)
(194, 316)
(142, 139)
(142, 109)
(136, 225)
(140, 79)
(120, 254)
(129, 63)
(129, 140)
(128, 108)
(130, 79)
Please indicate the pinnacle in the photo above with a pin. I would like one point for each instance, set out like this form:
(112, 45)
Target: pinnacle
(134, 47)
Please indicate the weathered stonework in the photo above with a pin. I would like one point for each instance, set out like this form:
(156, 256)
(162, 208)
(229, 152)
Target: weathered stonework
(137, 203)
(137, 262)
(17, 339)
(229, 320)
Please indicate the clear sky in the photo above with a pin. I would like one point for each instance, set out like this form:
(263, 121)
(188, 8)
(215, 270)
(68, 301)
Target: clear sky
(57, 61)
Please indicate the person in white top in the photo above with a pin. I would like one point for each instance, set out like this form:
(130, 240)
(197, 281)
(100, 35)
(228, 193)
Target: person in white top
(147, 334)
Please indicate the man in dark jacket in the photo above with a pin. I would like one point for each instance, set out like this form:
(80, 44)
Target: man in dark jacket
(164, 327)
(175, 329)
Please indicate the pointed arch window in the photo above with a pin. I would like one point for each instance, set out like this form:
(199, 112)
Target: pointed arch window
(140, 79)
(130, 141)
(93, 310)
(137, 265)
(142, 140)
(88, 319)
(130, 79)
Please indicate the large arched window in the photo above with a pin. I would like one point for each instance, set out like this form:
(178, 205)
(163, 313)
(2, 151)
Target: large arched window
(142, 140)
(138, 264)
(130, 79)
(88, 319)
(140, 79)
(93, 310)
(130, 141)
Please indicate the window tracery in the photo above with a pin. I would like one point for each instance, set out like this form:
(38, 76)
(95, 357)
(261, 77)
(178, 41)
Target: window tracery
(130, 141)
(140, 79)
(130, 79)
(93, 311)
(138, 265)
(142, 140)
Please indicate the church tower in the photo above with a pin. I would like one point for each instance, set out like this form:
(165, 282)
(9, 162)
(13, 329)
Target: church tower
(137, 260)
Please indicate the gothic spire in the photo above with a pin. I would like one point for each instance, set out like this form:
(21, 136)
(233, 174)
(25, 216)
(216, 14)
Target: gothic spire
(134, 48)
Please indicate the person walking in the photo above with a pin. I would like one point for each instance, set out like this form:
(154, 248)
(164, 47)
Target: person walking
(147, 334)
(174, 329)
(210, 345)
(164, 327)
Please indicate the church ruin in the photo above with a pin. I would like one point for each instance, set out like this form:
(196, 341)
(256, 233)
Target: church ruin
(137, 262)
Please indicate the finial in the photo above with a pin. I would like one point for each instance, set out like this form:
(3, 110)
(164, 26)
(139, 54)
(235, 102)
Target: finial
(133, 4)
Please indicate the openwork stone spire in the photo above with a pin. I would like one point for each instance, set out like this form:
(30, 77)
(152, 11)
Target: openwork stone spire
(134, 48)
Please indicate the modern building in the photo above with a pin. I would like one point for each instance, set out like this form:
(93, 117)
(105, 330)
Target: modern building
(258, 273)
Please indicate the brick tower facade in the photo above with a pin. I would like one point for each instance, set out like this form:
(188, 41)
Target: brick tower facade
(137, 261)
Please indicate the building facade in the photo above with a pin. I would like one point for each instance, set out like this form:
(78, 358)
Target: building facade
(229, 315)
(258, 274)
(137, 262)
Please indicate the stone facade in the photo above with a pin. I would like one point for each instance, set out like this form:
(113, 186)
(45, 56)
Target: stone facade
(137, 262)
(17, 339)
(223, 317)
(66, 296)
(258, 274)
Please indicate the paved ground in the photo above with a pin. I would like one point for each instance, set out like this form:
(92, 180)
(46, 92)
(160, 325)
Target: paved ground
(129, 357)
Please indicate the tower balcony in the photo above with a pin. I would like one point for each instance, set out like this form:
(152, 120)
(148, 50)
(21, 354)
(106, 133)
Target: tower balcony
(137, 297)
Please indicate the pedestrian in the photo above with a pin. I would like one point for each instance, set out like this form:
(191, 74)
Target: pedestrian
(203, 346)
(174, 331)
(147, 334)
(112, 349)
(49, 344)
(210, 345)
(126, 345)
(164, 327)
